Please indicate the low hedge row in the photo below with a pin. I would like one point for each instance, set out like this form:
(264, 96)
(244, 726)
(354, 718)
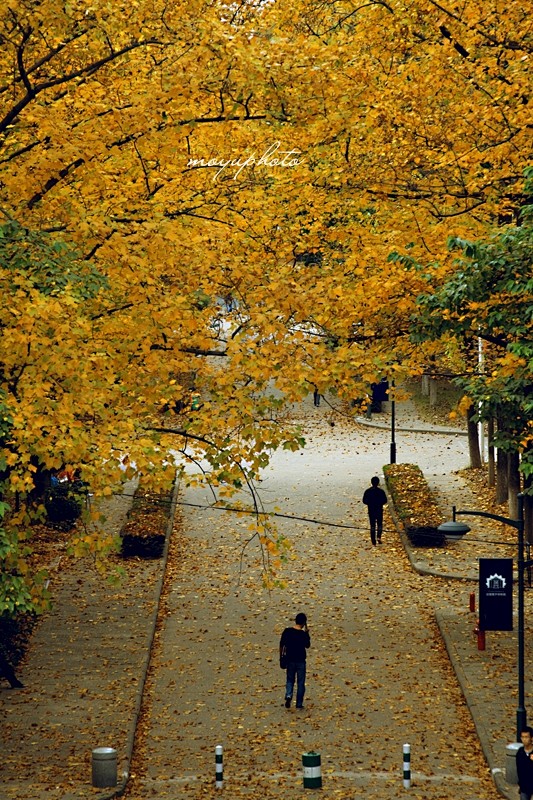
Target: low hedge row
(414, 504)
(143, 535)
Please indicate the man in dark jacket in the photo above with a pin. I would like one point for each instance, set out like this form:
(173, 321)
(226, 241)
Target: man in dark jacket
(524, 764)
(295, 641)
(374, 499)
(7, 672)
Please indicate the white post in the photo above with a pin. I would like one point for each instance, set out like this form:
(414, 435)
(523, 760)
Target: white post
(219, 767)
(481, 427)
(406, 766)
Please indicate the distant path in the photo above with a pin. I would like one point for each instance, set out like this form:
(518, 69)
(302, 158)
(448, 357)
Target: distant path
(378, 674)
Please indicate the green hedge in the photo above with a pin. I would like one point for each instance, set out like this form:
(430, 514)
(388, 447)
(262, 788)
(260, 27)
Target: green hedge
(143, 535)
(414, 504)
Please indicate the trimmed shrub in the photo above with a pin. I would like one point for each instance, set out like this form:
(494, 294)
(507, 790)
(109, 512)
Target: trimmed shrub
(414, 504)
(62, 508)
(143, 535)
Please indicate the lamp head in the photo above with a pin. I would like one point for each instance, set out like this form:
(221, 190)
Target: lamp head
(453, 531)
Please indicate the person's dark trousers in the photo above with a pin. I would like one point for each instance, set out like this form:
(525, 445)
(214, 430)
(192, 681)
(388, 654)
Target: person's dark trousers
(296, 671)
(7, 672)
(376, 524)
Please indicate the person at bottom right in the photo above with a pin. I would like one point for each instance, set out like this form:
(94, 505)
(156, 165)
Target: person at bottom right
(524, 764)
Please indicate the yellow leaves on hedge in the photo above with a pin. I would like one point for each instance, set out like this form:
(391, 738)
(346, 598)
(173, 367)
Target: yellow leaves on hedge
(412, 497)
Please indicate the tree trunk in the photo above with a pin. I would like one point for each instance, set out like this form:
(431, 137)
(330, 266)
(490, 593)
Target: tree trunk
(513, 483)
(502, 486)
(473, 439)
(432, 392)
(502, 491)
(491, 462)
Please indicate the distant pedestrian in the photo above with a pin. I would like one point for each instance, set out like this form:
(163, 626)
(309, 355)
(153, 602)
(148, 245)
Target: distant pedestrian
(7, 672)
(524, 764)
(374, 499)
(293, 645)
(316, 397)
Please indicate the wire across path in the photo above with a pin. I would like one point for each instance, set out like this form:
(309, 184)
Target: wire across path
(378, 674)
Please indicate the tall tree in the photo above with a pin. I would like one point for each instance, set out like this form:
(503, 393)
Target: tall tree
(263, 158)
(490, 297)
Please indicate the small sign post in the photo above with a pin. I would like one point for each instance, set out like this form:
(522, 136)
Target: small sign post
(496, 594)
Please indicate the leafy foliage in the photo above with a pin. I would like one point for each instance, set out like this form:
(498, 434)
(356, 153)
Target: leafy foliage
(214, 191)
(48, 264)
(490, 297)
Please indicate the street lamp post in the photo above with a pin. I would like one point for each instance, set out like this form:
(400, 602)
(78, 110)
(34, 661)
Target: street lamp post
(456, 530)
(392, 426)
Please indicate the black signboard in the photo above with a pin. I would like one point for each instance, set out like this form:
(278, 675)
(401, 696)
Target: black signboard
(496, 594)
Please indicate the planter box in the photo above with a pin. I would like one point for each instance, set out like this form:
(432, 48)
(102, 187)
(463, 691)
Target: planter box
(415, 505)
(143, 535)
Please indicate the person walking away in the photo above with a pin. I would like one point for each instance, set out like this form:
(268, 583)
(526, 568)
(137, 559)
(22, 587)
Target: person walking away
(294, 643)
(374, 499)
(7, 672)
(524, 764)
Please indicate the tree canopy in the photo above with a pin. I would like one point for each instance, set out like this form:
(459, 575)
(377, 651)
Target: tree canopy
(204, 196)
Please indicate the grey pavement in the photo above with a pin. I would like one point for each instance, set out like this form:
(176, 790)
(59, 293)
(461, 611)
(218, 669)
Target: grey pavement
(198, 651)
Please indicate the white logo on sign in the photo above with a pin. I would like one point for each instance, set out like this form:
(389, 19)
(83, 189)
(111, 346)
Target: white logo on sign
(496, 582)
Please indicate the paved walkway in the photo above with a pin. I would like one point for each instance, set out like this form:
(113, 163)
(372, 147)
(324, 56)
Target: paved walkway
(378, 674)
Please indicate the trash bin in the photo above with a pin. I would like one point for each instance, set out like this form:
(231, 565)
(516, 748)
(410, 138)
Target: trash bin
(104, 767)
(511, 750)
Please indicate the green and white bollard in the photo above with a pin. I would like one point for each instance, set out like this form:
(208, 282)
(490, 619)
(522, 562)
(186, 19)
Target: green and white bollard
(312, 770)
(406, 766)
(219, 767)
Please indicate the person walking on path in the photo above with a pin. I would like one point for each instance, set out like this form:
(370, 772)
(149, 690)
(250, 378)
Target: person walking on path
(7, 672)
(374, 499)
(524, 764)
(293, 645)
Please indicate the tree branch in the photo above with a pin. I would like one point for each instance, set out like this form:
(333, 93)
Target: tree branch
(90, 69)
(51, 182)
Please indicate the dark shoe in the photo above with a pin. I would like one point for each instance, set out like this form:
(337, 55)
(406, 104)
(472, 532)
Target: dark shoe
(299, 706)
(379, 541)
(17, 685)
(288, 702)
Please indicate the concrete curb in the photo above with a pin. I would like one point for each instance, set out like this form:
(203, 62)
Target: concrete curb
(411, 428)
(483, 735)
(416, 564)
(440, 617)
(130, 744)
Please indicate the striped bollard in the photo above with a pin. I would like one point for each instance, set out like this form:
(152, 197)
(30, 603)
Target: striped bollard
(219, 767)
(406, 766)
(312, 770)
